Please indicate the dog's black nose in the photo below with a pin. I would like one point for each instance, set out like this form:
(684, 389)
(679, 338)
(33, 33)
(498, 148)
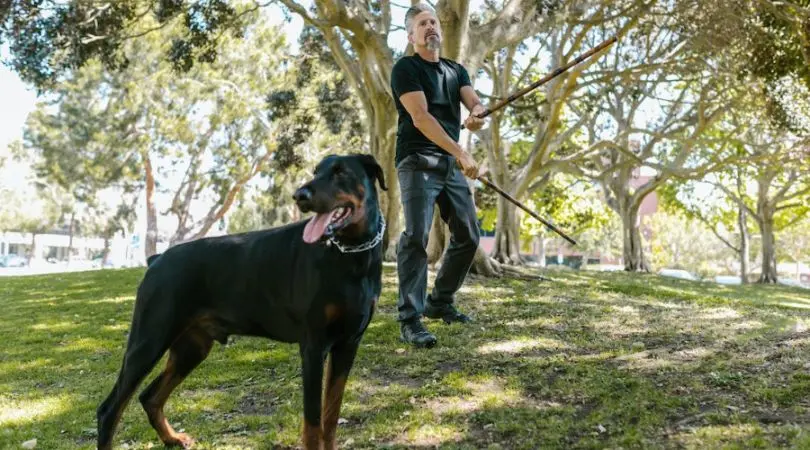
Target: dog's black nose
(303, 196)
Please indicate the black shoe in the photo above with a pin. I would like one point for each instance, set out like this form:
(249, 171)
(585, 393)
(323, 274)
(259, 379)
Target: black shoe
(413, 332)
(446, 312)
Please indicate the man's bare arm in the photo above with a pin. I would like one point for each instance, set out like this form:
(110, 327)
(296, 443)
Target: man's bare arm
(416, 105)
(470, 99)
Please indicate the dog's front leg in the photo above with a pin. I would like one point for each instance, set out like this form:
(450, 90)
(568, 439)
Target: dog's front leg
(312, 359)
(340, 363)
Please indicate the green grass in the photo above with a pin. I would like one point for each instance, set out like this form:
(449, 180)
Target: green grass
(586, 360)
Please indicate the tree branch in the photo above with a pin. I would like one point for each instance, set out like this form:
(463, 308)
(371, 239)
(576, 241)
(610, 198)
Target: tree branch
(736, 199)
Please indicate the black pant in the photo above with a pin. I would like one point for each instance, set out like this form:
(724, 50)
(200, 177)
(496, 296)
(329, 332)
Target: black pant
(426, 180)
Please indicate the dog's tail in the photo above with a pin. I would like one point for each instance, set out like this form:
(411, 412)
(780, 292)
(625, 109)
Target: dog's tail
(152, 259)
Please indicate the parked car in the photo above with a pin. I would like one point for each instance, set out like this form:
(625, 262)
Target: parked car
(109, 264)
(13, 261)
(791, 282)
(727, 279)
(679, 273)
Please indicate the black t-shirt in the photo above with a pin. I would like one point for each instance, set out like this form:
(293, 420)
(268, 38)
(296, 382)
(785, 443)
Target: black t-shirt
(441, 82)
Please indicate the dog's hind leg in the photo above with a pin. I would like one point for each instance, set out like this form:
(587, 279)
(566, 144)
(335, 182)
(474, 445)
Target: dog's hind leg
(140, 358)
(340, 363)
(185, 354)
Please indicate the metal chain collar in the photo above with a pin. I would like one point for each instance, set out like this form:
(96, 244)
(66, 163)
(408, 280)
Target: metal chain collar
(364, 246)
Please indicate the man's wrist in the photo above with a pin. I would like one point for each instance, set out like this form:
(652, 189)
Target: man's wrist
(458, 151)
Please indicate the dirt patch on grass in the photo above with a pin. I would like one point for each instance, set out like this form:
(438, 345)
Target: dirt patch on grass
(256, 405)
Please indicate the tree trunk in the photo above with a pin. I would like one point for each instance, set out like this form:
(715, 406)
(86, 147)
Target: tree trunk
(507, 234)
(485, 265)
(383, 141)
(438, 240)
(744, 246)
(768, 274)
(105, 254)
(543, 250)
(32, 253)
(632, 249)
(70, 237)
(150, 243)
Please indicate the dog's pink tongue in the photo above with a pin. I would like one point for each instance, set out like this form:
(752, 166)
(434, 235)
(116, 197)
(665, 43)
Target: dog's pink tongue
(316, 226)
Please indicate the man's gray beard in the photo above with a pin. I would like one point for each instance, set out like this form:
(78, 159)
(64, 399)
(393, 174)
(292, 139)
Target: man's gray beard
(433, 43)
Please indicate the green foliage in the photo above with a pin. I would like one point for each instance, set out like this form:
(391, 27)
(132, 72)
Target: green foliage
(12, 212)
(603, 238)
(207, 132)
(699, 201)
(680, 243)
(793, 242)
(761, 39)
(321, 116)
(106, 219)
(776, 38)
(51, 38)
(34, 210)
(575, 206)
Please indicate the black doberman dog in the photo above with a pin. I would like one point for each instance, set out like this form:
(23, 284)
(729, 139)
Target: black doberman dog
(314, 283)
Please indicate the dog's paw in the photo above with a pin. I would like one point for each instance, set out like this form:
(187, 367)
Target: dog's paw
(180, 440)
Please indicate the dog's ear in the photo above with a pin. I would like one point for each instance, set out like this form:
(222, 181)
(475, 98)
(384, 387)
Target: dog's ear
(373, 169)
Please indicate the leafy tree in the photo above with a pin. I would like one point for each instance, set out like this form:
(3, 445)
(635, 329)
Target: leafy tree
(682, 243)
(727, 221)
(768, 182)
(39, 213)
(105, 220)
(525, 142)
(577, 208)
(765, 39)
(664, 102)
(356, 34)
(325, 94)
(793, 244)
(199, 136)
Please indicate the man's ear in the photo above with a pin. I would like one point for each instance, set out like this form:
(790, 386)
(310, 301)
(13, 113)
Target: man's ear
(373, 169)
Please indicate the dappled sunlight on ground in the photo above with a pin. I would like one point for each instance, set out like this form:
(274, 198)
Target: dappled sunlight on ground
(490, 392)
(16, 411)
(803, 305)
(747, 325)
(645, 362)
(621, 321)
(659, 359)
(755, 436)
(85, 345)
(123, 326)
(53, 327)
(120, 300)
(39, 363)
(521, 344)
(428, 435)
(586, 360)
(719, 314)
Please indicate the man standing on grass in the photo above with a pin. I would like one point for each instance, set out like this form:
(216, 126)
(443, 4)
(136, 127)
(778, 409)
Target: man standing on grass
(427, 91)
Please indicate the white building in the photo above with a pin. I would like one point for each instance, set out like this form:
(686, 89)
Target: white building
(55, 246)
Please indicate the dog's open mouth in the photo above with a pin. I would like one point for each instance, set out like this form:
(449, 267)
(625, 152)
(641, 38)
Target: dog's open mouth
(326, 224)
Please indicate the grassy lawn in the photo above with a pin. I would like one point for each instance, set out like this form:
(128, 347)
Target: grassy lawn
(584, 360)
